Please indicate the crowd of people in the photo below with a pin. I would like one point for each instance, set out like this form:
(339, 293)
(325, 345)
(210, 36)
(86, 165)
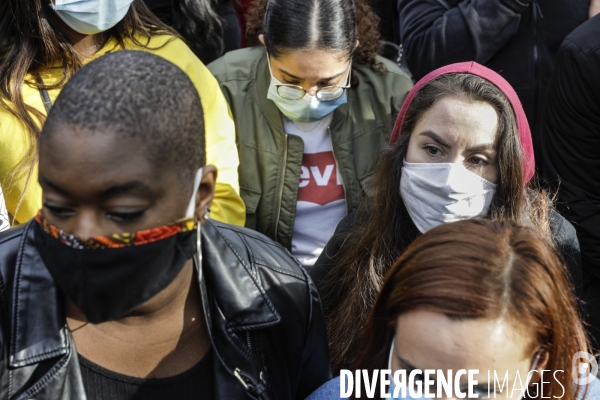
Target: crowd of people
(431, 207)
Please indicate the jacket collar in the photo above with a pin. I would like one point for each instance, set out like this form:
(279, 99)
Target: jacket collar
(39, 331)
(234, 283)
(268, 107)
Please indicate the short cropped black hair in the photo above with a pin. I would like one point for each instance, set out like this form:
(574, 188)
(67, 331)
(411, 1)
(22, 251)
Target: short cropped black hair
(140, 96)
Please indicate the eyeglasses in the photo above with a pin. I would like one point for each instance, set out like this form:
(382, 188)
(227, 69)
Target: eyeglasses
(327, 93)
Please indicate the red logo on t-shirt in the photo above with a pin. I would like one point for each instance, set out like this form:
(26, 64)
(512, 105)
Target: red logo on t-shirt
(319, 181)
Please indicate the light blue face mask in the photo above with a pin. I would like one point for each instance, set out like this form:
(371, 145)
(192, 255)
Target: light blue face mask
(307, 109)
(91, 16)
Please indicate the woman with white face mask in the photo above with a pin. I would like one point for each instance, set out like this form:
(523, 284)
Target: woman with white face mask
(486, 297)
(313, 105)
(44, 42)
(461, 148)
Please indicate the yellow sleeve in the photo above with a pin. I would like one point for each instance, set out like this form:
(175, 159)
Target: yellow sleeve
(221, 150)
(14, 142)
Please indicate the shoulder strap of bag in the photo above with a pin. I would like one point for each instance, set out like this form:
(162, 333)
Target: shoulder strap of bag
(44, 93)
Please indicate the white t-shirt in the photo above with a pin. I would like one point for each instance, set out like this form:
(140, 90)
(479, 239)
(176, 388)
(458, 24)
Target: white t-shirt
(4, 224)
(321, 201)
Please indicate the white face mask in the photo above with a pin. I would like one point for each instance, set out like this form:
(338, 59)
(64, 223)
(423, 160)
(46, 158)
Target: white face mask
(437, 193)
(91, 16)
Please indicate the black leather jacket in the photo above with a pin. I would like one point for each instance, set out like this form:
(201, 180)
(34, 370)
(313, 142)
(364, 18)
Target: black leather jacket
(263, 313)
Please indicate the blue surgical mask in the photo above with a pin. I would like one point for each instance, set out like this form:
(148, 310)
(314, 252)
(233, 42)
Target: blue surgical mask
(91, 16)
(306, 109)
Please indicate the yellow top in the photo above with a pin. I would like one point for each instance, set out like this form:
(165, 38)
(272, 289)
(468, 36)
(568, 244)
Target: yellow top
(221, 150)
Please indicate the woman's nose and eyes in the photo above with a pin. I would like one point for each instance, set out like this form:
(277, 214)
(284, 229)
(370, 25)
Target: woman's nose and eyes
(311, 70)
(123, 191)
(457, 130)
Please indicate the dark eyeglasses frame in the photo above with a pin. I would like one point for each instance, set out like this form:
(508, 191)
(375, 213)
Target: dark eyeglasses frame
(303, 91)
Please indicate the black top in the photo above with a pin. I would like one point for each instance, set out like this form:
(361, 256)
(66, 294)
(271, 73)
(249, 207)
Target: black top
(102, 384)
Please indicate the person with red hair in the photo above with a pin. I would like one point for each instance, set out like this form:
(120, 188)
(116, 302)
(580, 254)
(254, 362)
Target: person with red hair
(461, 148)
(477, 295)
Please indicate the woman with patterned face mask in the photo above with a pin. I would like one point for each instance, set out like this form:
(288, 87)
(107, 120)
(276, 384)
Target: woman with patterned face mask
(461, 148)
(122, 287)
(44, 42)
(489, 298)
(313, 104)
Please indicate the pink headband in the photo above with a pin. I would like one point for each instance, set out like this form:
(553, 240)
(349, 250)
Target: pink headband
(486, 73)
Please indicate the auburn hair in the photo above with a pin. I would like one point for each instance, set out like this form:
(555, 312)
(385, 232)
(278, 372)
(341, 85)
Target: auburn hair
(486, 270)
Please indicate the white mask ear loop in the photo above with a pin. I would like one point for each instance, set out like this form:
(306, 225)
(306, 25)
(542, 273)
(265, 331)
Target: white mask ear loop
(533, 366)
(198, 255)
(390, 356)
(191, 210)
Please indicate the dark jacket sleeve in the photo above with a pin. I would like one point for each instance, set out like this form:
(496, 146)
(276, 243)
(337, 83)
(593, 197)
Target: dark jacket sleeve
(567, 245)
(329, 258)
(315, 357)
(570, 140)
(435, 33)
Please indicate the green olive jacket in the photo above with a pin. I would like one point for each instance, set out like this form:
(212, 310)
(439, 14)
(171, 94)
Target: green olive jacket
(271, 159)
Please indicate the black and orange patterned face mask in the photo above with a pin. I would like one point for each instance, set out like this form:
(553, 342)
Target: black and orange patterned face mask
(118, 240)
(109, 276)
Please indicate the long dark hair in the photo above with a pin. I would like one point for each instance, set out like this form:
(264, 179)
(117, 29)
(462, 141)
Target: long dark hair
(383, 228)
(199, 24)
(316, 24)
(483, 269)
(31, 42)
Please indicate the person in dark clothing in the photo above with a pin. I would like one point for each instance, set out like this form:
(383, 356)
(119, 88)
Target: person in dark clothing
(388, 20)
(122, 287)
(518, 39)
(210, 27)
(570, 139)
(461, 148)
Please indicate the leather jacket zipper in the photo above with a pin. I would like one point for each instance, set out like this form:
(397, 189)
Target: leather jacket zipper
(255, 389)
(281, 185)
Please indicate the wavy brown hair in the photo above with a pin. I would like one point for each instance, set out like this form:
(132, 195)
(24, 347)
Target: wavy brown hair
(360, 19)
(383, 229)
(31, 42)
(483, 269)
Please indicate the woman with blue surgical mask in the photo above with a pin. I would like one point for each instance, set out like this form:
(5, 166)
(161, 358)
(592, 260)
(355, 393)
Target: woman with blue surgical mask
(473, 309)
(461, 148)
(44, 42)
(313, 105)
